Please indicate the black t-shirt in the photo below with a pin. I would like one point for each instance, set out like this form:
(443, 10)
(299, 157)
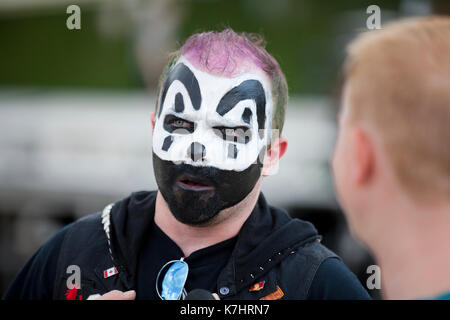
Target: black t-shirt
(205, 264)
(35, 281)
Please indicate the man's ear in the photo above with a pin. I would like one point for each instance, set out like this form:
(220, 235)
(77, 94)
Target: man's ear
(363, 156)
(152, 119)
(273, 155)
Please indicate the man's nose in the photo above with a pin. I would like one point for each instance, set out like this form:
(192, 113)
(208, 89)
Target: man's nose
(196, 151)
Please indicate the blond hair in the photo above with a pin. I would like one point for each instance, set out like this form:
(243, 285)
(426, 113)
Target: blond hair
(400, 82)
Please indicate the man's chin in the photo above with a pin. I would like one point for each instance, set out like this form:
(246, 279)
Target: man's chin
(194, 208)
(195, 195)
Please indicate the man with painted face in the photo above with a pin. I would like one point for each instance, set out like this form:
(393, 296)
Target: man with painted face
(221, 102)
(392, 158)
(210, 135)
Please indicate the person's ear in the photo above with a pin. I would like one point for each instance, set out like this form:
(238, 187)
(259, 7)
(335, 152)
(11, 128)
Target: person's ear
(362, 156)
(152, 119)
(273, 155)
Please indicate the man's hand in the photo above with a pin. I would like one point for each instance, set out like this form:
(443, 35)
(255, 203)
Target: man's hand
(118, 295)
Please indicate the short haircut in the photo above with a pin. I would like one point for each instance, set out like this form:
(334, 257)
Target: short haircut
(400, 83)
(223, 53)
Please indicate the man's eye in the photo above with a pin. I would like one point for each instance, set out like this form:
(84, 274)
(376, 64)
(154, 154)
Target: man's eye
(177, 125)
(237, 134)
(181, 123)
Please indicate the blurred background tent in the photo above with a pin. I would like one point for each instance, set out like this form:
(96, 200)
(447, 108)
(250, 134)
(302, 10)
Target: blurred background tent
(74, 105)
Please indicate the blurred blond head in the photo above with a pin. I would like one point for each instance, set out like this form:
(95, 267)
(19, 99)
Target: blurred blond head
(400, 83)
(391, 163)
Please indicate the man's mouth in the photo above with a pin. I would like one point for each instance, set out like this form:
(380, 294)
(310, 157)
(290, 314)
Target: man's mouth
(193, 184)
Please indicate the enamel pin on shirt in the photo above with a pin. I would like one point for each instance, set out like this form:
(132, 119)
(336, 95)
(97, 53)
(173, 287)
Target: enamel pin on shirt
(110, 272)
(257, 286)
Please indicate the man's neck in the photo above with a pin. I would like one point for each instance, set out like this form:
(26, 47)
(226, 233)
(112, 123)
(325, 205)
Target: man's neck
(193, 238)
(414, 258)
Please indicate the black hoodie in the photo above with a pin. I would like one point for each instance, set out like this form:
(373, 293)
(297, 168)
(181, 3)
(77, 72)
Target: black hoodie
(280, 253)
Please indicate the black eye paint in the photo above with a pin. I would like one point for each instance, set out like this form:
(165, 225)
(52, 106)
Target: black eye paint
(249, 89)
(247, 115)
(182, 73)
(237, 134)
(167, 143)
(179, 103)
(170, 126)
(243, 135)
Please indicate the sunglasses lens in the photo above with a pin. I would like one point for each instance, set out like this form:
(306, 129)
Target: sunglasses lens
(173, 282)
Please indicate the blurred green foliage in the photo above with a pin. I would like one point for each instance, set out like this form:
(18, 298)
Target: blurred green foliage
(298, 33)
(38, 50)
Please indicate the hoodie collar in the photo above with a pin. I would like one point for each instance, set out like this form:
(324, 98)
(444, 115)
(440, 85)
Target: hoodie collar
(266, 238)
(131, 218)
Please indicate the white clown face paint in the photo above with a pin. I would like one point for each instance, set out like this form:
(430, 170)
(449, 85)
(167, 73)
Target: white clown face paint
(222, 122)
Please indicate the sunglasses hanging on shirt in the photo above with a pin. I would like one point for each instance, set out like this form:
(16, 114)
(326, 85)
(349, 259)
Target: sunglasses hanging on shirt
(171, 287)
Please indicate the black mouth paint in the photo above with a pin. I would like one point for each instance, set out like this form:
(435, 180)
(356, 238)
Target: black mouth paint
(249, 89)
(225, 189)
(184, 74)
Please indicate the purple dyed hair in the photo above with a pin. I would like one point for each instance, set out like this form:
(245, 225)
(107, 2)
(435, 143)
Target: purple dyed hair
(223, 53)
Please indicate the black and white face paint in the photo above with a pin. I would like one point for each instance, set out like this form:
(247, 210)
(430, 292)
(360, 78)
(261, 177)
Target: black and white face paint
(209, 135)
